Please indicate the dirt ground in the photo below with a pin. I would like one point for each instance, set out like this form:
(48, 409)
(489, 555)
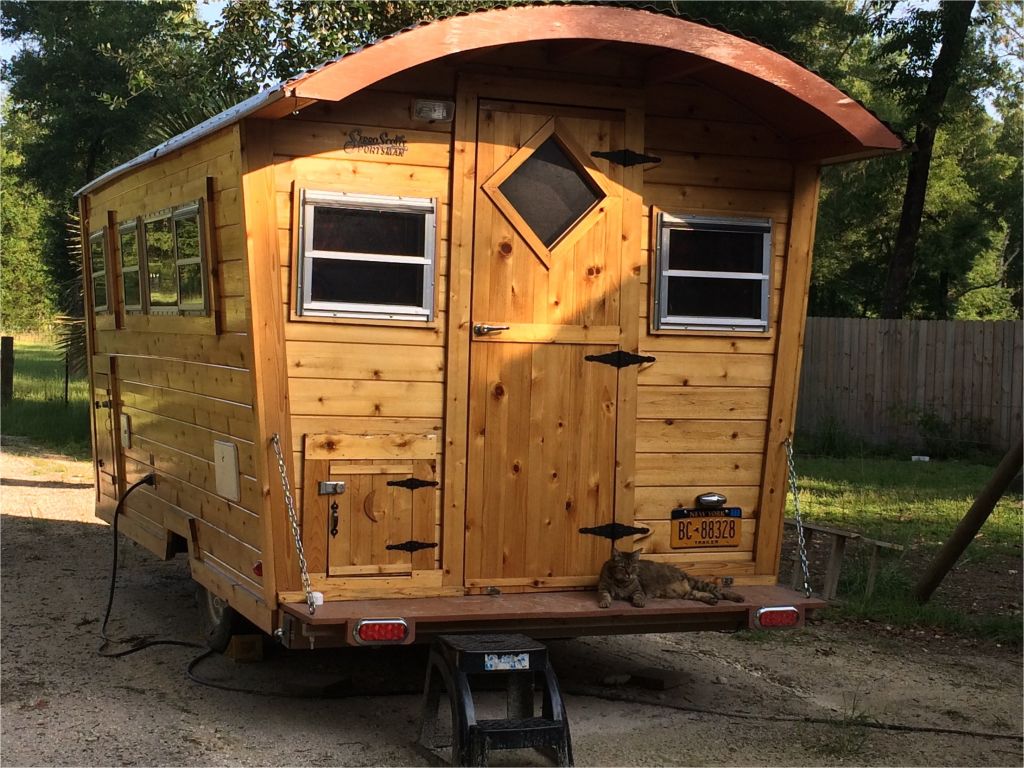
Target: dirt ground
(63, 705)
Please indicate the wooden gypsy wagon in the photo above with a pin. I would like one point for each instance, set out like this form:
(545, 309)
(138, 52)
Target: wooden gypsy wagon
(506, 287)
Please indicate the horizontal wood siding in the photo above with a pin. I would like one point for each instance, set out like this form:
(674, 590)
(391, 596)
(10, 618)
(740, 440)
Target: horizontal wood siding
(702, 406)
(352, 376)
(183, 385)
(931, 385)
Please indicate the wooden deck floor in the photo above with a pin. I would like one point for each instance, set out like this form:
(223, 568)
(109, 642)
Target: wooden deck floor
(541, 614)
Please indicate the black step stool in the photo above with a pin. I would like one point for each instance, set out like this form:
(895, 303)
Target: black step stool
(520, 661)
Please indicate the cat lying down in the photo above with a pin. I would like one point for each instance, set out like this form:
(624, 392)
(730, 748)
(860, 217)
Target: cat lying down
(626, 577)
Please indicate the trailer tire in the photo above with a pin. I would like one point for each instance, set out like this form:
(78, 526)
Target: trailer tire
(219, 621)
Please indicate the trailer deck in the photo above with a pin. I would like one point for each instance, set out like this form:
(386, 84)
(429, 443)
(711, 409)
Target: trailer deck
(542, 615)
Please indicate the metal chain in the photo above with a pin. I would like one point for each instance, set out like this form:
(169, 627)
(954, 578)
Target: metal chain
(801, 543)
(293, 519)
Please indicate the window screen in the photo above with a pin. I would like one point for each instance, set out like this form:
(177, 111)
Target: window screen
(367, 256)
(162, 272)
(173, 256)
(712, 273)
(131, 286)
(98, 265)
(550, 192)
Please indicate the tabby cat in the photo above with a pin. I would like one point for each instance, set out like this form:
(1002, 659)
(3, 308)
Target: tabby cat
(626, 577)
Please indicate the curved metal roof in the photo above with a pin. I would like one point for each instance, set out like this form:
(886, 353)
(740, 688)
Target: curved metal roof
(799, 103)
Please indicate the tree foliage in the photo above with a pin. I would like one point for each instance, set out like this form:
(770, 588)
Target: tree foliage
(26, 300)
(99, 82)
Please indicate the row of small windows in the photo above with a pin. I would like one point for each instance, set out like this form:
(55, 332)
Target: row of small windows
(373, 256)
(162, 263)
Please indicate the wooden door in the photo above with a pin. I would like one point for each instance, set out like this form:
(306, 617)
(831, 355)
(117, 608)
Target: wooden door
(105, 414)
(546, 285)
(384, 521)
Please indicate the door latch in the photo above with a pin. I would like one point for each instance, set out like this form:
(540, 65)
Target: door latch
(481, 329)
(330, 487)
(334, 519)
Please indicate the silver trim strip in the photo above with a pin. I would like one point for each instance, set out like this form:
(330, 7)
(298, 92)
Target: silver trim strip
(205, 128)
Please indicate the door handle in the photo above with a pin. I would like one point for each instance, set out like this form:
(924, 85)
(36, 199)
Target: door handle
(481, 329)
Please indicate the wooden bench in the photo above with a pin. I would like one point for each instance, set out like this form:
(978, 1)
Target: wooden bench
(840, 538)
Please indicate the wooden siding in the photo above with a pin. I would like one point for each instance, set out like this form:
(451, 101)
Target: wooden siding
(185, 382)
(361, 377)
(703, 405)
(930, 384)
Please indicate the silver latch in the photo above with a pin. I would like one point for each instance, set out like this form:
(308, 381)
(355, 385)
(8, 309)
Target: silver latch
(482, 329)
(331, 487)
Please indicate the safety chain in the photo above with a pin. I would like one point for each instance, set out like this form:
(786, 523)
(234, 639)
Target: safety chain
(801, 544)
(293, 519)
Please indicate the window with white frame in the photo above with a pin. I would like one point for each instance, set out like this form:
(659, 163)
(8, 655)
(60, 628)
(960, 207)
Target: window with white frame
(131, 282)
(712, 273)
(98, 268)
(367, 256)
(174, 259)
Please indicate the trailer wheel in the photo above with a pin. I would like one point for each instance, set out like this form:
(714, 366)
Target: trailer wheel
(218, 619)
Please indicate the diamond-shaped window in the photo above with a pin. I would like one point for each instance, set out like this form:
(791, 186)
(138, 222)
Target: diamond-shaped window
(550, 192)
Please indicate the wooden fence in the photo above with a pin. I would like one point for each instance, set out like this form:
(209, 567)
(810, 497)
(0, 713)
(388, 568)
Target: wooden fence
(931, 385)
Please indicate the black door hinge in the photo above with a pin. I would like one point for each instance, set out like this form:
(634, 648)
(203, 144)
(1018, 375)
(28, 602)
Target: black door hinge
(626, 157)
(411, 546)
(614, 531)
(619, 359)
(412, 483)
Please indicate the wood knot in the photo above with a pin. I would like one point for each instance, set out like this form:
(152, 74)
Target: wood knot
(505, 247)
(499, 390)
(516, 467)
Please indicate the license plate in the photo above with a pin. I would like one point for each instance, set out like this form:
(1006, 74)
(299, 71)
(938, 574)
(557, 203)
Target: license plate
(503, 661)
(706, 527)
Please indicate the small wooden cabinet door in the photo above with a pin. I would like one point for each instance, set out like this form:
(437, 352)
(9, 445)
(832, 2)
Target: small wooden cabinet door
(384, 523)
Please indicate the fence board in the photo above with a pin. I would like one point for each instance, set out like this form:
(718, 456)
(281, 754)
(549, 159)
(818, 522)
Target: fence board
(921, 383)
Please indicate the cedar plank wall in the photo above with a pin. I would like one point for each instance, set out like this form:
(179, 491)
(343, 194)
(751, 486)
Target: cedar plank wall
(354, 377)
(184, 386)
(702, 407)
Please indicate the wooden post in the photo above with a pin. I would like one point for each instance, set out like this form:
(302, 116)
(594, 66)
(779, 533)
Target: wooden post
(835, 565)
(6, 369)
(968, 528)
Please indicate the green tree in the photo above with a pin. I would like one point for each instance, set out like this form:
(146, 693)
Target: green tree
(90, 77)
(26, 301)
(952, 20)
(265, 41)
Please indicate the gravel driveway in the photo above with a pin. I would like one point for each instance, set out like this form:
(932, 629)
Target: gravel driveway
(64, 705)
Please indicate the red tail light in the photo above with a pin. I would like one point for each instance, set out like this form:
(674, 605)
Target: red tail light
(777, 617)
(381, 631)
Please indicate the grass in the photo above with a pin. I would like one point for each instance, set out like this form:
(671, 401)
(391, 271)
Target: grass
(38, 411)
(917, 505)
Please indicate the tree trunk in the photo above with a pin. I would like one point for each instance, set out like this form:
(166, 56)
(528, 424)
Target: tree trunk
(956, 19)
(968, 528)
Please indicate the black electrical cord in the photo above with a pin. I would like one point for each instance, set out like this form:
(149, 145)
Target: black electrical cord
(149, 479)
(587, 691)
(320, 692)
(594, 692)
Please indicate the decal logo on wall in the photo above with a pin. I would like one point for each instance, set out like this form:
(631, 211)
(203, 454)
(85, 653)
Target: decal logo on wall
(381, 144)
